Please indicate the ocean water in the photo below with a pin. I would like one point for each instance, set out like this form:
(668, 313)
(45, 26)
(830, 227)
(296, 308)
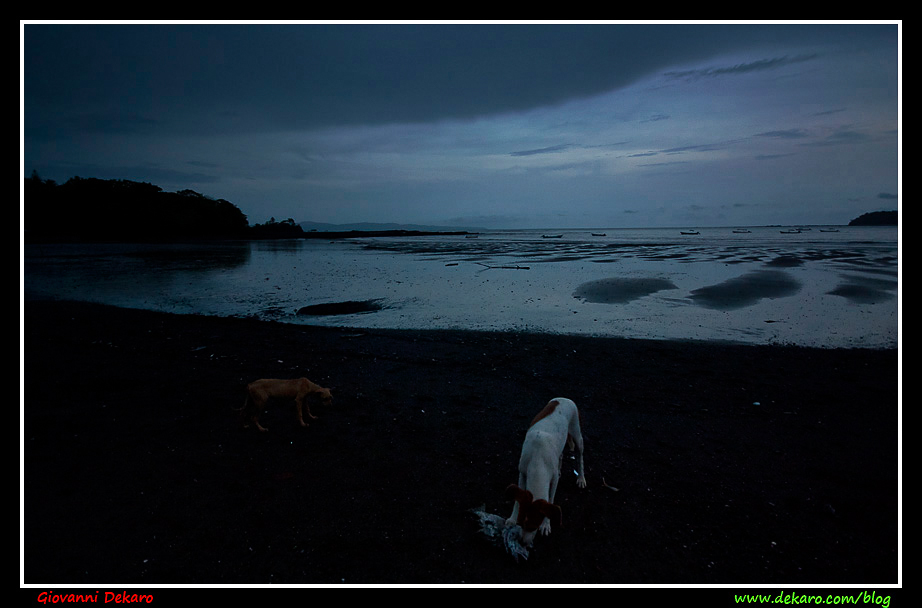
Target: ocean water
(763, 285)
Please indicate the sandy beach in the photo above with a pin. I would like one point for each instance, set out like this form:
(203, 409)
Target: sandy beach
(707, 463)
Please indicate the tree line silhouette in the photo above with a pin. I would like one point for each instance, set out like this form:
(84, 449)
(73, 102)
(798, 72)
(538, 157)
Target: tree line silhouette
(97, 210)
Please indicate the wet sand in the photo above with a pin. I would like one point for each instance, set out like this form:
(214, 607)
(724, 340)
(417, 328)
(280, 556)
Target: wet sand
(755, 289)
(707, 463)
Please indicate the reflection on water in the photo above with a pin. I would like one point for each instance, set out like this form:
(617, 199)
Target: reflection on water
(144, 257)
(195, 258)
(821, 289)
(134, 275)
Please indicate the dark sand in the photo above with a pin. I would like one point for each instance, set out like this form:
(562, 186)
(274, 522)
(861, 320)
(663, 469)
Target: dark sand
(733, 464)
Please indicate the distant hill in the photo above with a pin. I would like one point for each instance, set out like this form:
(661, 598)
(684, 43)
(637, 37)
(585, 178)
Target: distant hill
(383, 227)
(876, 218)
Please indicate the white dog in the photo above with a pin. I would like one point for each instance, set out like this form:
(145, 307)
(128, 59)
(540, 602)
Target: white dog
(556, 426)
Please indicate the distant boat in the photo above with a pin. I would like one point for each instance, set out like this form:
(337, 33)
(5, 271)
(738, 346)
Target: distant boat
(742, 231)
(598, 234)
(792, 231)
(551, 236)
(689, 232)
(829, 229)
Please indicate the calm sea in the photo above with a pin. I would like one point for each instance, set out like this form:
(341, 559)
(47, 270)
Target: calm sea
(819, 286)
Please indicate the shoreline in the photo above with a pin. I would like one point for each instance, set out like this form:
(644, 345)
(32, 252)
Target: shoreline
(734, 463)
(838, 294)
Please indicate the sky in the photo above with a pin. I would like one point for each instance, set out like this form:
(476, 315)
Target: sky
(490, 125)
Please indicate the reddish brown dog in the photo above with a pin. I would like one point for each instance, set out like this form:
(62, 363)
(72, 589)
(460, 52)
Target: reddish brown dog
(260, 391)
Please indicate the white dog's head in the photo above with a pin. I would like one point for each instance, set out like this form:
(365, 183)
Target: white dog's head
(532, 513)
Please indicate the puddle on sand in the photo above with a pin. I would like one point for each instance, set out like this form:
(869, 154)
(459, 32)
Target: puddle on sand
(341, 308)
(620, 290)
(863, 290)
(746, 290)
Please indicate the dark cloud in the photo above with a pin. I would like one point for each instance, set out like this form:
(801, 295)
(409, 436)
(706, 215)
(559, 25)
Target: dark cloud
(207, 78)
(741, 68)
(785, 134)
(844, 137)
(709, 147)
(547, 150)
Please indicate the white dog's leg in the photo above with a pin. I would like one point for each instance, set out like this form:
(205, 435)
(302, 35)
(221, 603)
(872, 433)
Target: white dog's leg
(555, 477)
(576, 439)
(581, 480)
(545, 527)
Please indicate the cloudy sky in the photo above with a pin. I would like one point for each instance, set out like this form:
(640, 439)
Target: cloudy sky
(486, 125)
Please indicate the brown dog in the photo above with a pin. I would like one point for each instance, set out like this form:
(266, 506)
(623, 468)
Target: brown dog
(260, 391)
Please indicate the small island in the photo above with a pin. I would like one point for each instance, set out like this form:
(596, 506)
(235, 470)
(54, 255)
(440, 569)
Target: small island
(876, 218)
